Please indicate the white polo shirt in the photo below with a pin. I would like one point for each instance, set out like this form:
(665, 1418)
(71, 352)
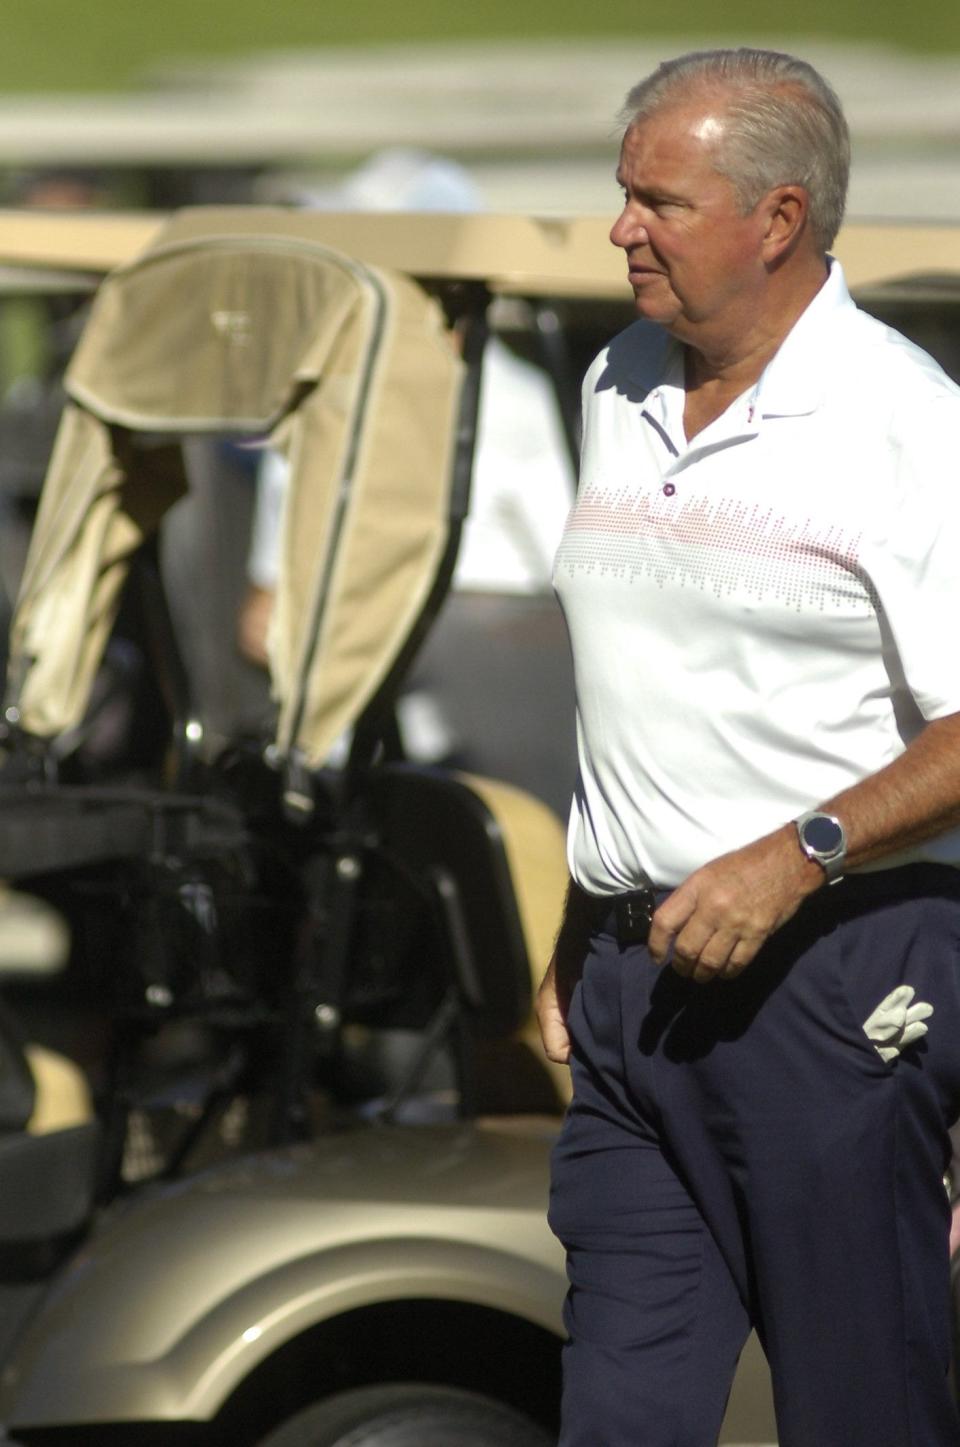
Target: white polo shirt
(767, 614)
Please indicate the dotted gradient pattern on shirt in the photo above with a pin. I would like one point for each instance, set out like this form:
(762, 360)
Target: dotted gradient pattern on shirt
(731, 547)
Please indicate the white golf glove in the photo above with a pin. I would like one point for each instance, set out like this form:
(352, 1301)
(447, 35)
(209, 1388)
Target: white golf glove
(897, 1022)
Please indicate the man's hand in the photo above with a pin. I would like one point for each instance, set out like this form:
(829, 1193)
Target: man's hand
(718, 919)
(253, 624)
(563, 972)
(551, 1018)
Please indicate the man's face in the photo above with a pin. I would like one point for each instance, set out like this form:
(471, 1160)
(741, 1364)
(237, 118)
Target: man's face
(693, 260)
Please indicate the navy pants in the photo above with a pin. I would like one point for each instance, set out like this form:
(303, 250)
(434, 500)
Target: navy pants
(738, 1154)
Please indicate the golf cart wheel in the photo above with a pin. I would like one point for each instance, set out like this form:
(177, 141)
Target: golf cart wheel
(407, 1416)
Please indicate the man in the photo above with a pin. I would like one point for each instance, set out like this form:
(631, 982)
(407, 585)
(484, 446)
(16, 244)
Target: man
(764, 904)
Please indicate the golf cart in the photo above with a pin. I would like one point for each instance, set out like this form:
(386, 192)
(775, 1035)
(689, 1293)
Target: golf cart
(286, 953)
(307, 1205)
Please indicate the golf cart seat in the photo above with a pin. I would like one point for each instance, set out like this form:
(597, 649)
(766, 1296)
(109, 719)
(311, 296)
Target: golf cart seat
(48, 1139)
(497, 859)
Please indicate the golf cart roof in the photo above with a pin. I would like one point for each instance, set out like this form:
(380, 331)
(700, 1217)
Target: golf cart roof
(513, 255)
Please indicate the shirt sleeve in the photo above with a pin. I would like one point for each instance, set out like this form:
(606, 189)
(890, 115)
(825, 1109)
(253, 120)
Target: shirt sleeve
(263, 560)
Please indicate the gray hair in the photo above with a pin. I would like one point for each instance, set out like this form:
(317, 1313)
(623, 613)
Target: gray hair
(784, 125)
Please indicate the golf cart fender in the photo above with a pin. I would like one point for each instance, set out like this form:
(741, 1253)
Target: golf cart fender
(173, 1305)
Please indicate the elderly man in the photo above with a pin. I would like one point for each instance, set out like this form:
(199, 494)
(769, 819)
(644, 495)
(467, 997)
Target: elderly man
(757, 980)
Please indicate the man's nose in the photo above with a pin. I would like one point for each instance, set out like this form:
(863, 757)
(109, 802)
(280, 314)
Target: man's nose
(628, 230)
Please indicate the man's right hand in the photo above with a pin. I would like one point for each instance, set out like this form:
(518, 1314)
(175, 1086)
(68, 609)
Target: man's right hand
(551, 1018)
(563, 972)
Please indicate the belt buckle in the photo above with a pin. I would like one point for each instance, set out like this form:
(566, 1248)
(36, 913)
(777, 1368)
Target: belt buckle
(634, 913)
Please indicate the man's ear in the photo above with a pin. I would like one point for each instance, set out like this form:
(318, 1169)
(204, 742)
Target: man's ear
(786, 210)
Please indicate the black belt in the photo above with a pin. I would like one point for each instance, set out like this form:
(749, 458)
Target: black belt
(628, 916)
(625, 916)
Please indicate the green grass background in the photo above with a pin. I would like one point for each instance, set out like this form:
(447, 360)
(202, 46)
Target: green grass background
(110, 44)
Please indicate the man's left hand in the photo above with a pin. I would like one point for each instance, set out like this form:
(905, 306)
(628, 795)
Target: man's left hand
(718, 919)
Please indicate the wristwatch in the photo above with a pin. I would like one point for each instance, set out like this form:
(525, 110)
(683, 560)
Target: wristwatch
(822, 838)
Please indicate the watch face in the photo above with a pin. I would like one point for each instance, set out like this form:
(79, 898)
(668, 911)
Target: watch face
(822, 834)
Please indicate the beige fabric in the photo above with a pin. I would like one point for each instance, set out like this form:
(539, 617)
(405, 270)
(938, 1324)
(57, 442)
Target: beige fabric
(346, 369)
(63, 1096)
(92, 518)
(535, 844)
